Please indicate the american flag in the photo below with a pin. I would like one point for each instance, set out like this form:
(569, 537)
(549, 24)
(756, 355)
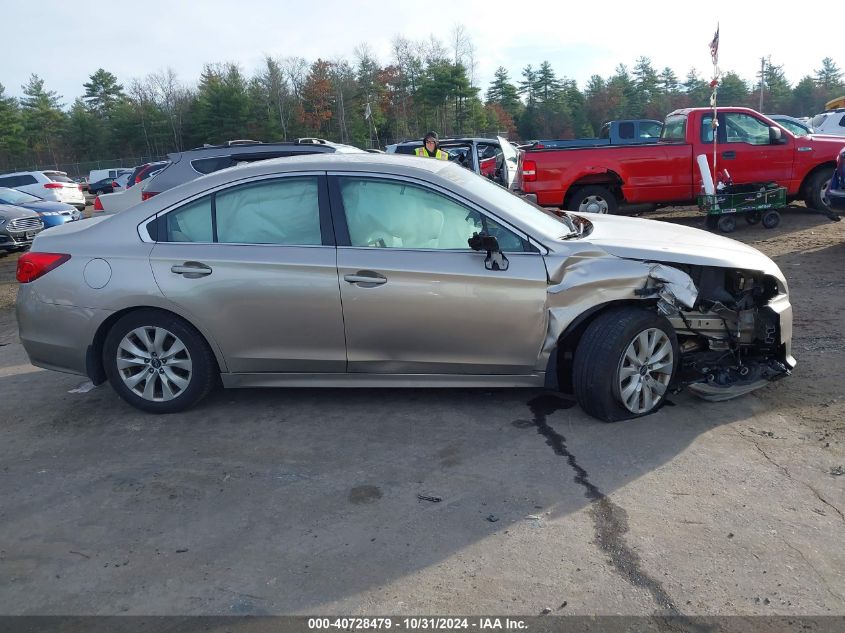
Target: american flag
(714, 47)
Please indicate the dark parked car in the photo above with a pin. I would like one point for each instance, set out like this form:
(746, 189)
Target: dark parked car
(191, 164)
(51, 213)
(836, 190)
(106, 185)
(142, 172)
(18, 227)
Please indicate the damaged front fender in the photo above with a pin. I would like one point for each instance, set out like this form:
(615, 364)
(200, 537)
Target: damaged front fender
(579, 283)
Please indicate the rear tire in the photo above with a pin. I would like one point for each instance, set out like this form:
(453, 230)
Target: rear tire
(593, 199)
(624, 364)
(158, 362)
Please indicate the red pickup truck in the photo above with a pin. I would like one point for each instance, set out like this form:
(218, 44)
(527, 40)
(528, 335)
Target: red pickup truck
(750, 146)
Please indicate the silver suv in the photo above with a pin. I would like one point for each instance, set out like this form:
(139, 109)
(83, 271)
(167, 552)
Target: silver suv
(188, 165)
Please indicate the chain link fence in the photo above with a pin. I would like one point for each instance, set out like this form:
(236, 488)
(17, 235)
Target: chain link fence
(81, 169)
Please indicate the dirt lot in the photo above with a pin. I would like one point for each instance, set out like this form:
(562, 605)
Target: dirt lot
(306, 502)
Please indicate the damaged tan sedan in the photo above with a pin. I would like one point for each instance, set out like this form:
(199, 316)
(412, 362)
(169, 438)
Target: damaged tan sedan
(392, 271)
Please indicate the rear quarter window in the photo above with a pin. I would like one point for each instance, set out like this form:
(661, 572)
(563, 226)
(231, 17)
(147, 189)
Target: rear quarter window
(210, 165)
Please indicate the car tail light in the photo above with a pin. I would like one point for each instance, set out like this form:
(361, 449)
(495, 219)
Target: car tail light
(529, 171)
(31, 266)
(79, 187)
(54, 185)
(114, 184)
(146, 195)
(539, 146)
(98, 206)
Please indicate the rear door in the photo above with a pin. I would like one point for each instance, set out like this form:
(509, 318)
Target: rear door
(416, 298)
(255, 265)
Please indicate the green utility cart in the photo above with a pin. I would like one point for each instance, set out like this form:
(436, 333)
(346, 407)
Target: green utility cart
(755, 201)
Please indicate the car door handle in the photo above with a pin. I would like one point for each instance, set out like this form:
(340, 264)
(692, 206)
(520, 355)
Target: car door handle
(191, 270)
(367, 278)
(729, 155)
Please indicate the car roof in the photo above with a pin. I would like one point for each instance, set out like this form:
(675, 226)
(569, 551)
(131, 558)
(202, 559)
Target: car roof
(254, 147)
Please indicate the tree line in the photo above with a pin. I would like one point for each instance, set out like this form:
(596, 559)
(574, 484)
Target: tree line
(426, 85)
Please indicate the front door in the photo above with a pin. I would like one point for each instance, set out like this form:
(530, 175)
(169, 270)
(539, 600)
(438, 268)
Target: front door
(417, 299)
(744, 148)
(253, 266)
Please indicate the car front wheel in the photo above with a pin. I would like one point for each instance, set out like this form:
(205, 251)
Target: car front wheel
(624, 364)
(157, 362)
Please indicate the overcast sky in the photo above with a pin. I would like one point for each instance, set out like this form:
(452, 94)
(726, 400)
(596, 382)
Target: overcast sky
(65, 42)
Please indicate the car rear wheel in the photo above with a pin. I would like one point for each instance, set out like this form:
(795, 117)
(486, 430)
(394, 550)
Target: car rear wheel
(624, 364)
(157, 362)
(593, 199)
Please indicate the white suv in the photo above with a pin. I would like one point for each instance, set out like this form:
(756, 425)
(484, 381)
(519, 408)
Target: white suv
(49, 185)
(831, 122)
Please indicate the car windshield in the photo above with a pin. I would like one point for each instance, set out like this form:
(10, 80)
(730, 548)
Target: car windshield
(13, 196)
(531, 216)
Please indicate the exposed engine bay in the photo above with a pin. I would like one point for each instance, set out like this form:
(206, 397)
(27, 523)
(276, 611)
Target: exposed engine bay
(728, 334)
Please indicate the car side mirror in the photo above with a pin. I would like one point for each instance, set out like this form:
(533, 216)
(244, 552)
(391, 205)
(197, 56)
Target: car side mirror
(775, 136)
(495, 259)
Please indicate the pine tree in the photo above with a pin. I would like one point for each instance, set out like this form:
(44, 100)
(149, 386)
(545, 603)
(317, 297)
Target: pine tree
(103, 93)
(12, 144)
(828, 76)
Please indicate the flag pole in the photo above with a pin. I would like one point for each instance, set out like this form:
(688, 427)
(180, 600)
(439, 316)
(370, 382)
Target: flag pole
(714, 84)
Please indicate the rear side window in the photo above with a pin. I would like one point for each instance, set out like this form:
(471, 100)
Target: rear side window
(7, 182)
(626, 130)
(191, 223)
(842, 122)
(56, 176)
(284, 212)
(210, 165)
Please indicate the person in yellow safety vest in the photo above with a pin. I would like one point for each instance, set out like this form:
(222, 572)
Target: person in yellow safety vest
(430, 149)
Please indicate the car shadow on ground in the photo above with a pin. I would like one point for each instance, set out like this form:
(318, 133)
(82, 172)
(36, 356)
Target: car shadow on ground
(282, 501)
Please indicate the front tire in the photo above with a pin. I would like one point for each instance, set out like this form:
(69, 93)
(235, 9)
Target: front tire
(817, 186)
(624, 364)
(158, 362)
(593, 199)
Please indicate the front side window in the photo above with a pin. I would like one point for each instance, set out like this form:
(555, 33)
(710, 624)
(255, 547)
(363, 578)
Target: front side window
(389, 214)
(735, 127)
(650, 129)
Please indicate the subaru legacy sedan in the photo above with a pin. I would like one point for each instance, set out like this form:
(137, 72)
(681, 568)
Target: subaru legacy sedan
(396, 271)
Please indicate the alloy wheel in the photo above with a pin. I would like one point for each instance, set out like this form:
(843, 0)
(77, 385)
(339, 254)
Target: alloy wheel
(645, 370)
(154, 364)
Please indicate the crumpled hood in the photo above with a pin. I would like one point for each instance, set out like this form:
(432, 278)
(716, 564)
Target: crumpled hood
(635, 238)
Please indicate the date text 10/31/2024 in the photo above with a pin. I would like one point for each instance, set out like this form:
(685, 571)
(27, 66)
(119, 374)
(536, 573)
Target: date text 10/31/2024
(417, 623)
